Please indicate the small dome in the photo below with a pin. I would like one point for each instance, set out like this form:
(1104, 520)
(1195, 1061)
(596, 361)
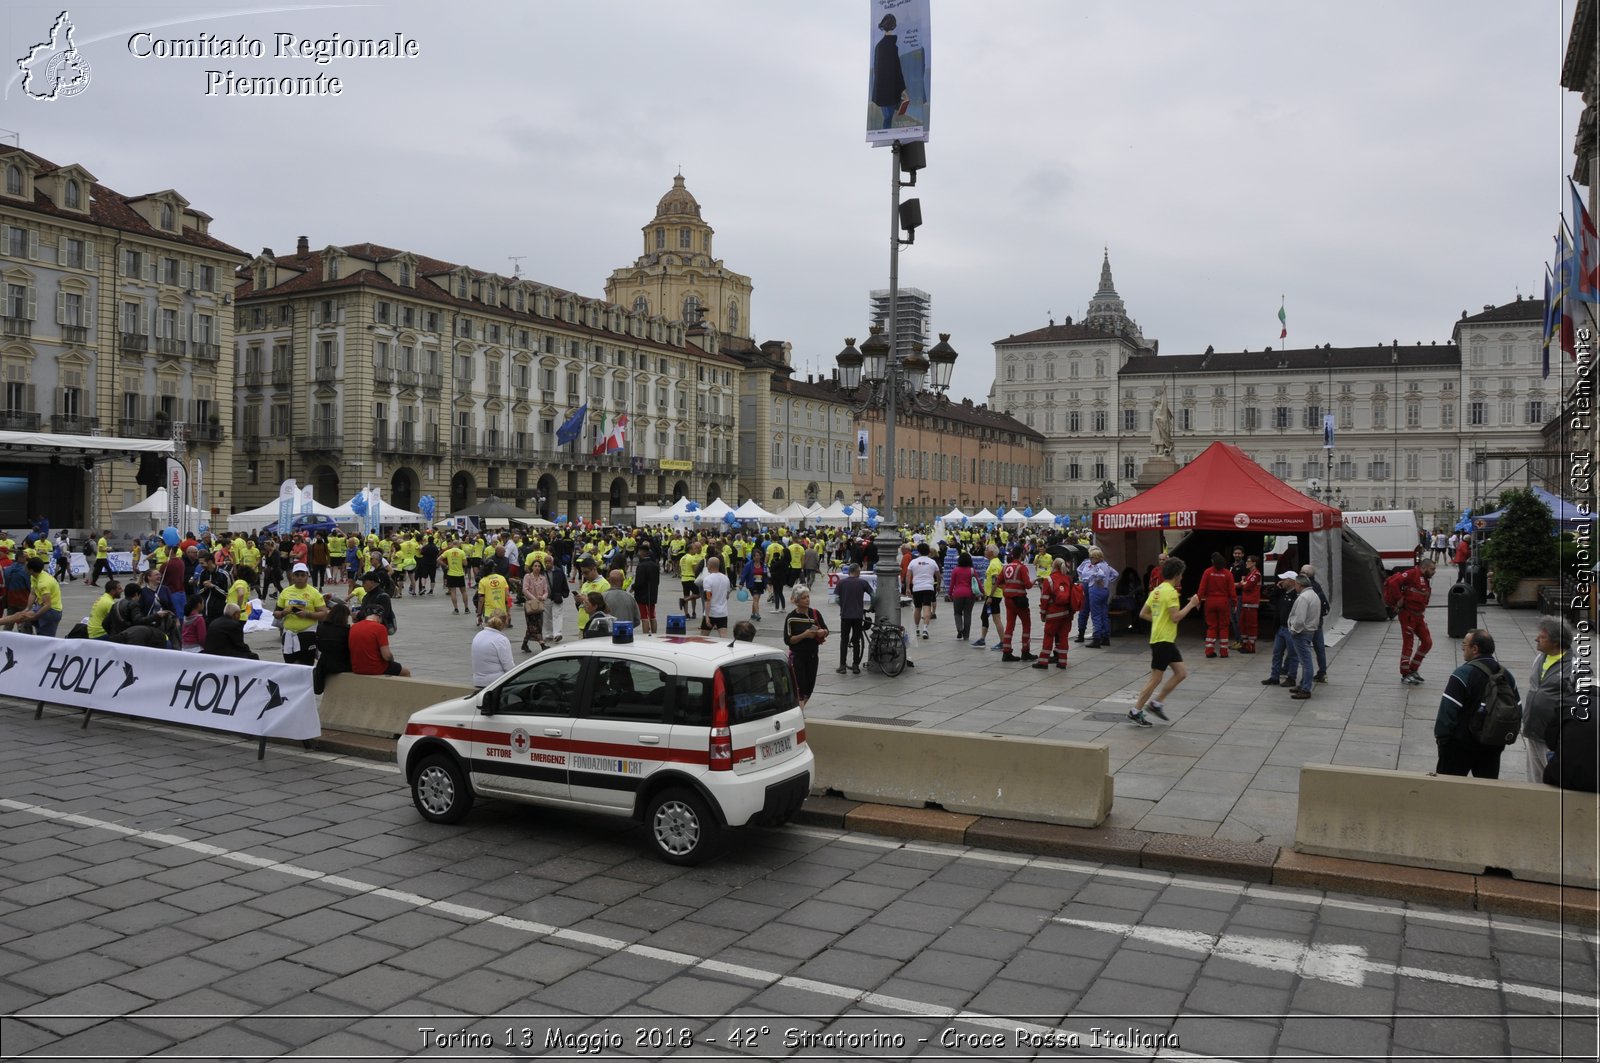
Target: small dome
(678, 201)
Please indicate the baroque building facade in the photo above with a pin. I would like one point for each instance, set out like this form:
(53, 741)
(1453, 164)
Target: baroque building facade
(1428, 427)
(115, 323)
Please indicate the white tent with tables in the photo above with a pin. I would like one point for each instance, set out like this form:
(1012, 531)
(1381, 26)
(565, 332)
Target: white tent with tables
(151, 513)
(752, 510)
(261, 516)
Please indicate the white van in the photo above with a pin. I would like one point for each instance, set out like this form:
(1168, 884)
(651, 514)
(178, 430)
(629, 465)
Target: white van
(1391, 532)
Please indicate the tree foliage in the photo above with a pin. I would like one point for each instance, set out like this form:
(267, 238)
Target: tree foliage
(1523, 545)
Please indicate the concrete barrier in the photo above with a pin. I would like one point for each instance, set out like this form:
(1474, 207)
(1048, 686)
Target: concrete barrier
(1536, 832)
(972, 774)
(377, 704)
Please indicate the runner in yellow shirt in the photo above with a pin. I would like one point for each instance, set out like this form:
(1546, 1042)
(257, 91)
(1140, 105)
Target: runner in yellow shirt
(454, 560)
(494, 596)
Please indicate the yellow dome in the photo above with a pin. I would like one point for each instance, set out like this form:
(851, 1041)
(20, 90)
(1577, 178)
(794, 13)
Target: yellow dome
(678, 201)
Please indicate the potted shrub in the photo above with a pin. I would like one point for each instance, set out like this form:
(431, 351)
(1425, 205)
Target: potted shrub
(1522, 554)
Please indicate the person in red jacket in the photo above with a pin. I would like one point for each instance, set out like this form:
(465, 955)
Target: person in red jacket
(1249, 604)
(1216, 596)
(1055, 609)
(1015, 583)
(1415, 592)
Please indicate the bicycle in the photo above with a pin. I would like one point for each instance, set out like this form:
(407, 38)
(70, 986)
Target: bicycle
(886, 647)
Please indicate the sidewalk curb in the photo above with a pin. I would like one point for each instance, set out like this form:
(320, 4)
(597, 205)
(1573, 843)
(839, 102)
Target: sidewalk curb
(1212, 857)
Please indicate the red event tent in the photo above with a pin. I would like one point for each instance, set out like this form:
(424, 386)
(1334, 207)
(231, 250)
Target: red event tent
(1220, 490)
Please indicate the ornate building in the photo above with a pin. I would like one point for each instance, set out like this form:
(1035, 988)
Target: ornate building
(1414, 427)
(677, 278)
(114, 323)
(370, 365)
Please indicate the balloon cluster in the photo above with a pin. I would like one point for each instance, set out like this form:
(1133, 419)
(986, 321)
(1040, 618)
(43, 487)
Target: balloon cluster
(358, 504)
(1028, 512)
(729, 519)
(691, 507)
(849, 511)
(561, 519)
(427, 506)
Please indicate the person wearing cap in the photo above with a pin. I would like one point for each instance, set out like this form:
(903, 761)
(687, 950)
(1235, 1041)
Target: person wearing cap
(1305, 616)
(300, 607)
(1284, 664)
(373, 596)
(369, 646)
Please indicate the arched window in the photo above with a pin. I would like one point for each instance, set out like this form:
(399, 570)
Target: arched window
(733, 317)
(641, 305)
(166, 216)
(691, 309)
(72, 195)
(13, 180)
(405, 274)
(661, 239)
(683, 239)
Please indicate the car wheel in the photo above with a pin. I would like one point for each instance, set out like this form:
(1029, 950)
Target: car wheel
(440, 790)
(682, 828)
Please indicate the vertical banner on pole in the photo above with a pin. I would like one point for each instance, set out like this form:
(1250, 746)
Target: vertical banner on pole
(1327, 431)
(177, 493)
(897, 79)
(288, 493)
(202, 515)
(375, 509)
(307, 499)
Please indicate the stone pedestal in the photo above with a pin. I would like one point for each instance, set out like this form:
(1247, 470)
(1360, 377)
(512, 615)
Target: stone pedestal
(1154, 471)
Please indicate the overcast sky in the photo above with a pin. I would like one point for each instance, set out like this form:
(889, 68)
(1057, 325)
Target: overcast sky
(1381, 164)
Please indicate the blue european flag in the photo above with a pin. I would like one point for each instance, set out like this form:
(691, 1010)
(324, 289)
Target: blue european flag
(572, 427)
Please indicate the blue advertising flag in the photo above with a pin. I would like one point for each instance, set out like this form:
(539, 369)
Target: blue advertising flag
(572, 427)
(1549, 324)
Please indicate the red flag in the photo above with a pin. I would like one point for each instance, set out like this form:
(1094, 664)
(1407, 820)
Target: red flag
(1585, 278)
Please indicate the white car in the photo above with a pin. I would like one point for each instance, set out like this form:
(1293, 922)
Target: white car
(689, 734)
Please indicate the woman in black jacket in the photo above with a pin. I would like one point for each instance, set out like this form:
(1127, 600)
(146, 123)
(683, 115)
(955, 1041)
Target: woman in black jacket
(333, 645)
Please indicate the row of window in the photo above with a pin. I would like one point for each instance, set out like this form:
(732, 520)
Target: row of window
(73, 197)
(1311, 418)
(810, 457)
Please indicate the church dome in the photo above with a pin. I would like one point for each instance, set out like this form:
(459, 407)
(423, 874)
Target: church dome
(678, 201)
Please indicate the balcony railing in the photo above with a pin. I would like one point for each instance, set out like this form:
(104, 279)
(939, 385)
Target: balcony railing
(325, 373)
(282, 376)
(168, 347)
(207, 352)
(16, 326)
(203, 433)
(254, 378)
(144, 428)
(73, 424)
(322, 438)
(492, 388)
(383, 374)
(433, 381)
(408, 378)
(133, 343)
(19, 421)
(250, 444)
(78, 334)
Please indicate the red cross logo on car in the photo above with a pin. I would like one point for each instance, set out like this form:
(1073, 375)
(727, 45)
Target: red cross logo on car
(519, 740)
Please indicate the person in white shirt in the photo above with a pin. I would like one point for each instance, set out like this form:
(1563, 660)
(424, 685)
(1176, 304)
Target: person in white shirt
(923, 572)
(714, 585)
(491, 651)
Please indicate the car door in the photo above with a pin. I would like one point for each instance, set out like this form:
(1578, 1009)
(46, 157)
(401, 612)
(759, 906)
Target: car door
(520, 746)
(620, 738)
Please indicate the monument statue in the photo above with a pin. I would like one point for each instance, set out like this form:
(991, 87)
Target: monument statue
(1161, 427)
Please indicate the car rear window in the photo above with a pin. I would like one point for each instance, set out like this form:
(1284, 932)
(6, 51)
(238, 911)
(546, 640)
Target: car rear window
(756, 690)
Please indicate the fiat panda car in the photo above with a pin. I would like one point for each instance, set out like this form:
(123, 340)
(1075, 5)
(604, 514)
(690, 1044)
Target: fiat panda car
(689, 735)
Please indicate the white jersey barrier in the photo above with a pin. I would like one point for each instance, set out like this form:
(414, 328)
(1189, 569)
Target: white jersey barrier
(258, 698)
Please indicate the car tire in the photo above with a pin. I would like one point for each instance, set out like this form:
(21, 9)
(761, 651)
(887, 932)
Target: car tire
(440, 790)
(681, 827)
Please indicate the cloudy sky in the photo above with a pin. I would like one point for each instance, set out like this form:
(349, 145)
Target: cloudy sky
(1380, 164)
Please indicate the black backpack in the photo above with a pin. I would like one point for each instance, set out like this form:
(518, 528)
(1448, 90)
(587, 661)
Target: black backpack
(1498, 719)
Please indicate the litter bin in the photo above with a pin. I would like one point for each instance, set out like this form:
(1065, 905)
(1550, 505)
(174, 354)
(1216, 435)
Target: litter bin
(1462, 605)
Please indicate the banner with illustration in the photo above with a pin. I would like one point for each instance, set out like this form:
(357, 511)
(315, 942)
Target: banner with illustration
(259, 698)
(897, 74)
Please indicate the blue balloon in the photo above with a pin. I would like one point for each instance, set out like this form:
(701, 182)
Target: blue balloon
(963, 522)
(872, 521)
(849, 511)
(872, 514)
(729, 518)
(170, 537)
(1028, 512)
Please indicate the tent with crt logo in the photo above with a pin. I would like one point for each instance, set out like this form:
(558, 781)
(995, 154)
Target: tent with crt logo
(1224, 493)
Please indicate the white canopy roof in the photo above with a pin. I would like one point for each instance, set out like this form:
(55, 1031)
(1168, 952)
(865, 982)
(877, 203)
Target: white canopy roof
(261, 516)
(796, 511)
(154, 508)
(1044, 516)
(1012, 516)
(388, 514)
(984, 515)
(955, 516)
(835, 515)
(104, 446)
(715, 511)
(752, 510)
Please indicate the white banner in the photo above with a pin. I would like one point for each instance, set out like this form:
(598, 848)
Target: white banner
(177, 493)
(259, 698)
(897, 77)
(288, 494)
(121, 561)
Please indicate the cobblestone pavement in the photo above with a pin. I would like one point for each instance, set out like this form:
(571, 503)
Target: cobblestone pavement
(163, 892)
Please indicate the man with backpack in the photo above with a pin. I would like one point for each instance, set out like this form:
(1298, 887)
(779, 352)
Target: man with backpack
(1480, 713)
(1406, 594)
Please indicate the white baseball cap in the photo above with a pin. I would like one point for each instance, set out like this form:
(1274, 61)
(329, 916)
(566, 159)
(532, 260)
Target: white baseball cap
(300, 566)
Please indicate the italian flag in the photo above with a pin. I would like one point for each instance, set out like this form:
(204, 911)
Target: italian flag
(1283, 320)
(616, 437)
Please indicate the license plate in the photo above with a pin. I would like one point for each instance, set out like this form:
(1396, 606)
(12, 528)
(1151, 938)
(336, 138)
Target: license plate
(777, 747)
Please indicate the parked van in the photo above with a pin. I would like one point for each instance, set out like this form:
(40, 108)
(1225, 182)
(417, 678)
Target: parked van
(1391, 532)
